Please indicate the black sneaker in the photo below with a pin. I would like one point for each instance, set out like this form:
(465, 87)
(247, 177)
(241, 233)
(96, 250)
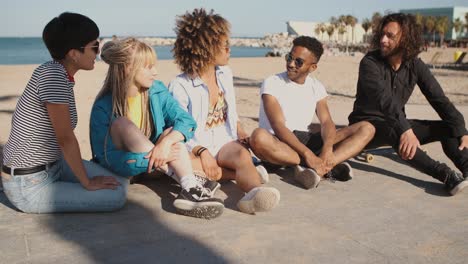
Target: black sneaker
(213, 186)
(198, 202)
(341, 172)
(454, 182)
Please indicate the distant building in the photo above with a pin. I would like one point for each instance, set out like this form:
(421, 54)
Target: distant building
(302, 28)
(451, 12)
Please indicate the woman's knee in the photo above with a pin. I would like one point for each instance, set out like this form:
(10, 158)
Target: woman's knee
(241, 156)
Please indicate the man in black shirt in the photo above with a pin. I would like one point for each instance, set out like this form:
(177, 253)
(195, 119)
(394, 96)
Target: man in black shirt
(387, 77)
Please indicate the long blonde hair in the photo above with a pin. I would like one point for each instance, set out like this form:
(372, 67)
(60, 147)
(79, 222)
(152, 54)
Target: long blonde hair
(125, 57)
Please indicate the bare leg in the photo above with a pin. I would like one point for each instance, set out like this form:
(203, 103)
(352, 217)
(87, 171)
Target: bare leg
(126, 136)
(351, 140)
(269, 148)
(235, 157)
(227, 174)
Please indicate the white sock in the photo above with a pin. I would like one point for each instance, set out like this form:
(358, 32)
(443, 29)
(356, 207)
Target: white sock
(170, 172)
(187, 182)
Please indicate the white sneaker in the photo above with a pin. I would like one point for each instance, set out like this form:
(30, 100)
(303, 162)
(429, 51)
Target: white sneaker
(307, 177)
(264, 176)
(259, 199)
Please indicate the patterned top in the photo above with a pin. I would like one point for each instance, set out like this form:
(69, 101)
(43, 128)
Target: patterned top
(217, 114)
(32, 140)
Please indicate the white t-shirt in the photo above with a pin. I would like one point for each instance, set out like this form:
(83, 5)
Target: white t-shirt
(297, 101)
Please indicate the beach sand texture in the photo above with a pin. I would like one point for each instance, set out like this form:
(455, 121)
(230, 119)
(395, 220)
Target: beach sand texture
(338, 73)
(390, 213)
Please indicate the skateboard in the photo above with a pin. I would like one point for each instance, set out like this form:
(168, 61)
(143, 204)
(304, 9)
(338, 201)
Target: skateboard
(368, 155)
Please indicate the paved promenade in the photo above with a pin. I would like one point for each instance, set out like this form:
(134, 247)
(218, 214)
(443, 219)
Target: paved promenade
(390, 213)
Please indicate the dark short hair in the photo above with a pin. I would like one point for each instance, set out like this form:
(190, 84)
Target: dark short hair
(68, 31)
(411, 40)
(312, 44)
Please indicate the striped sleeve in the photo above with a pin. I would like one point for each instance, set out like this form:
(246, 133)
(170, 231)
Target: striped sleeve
(52, 86)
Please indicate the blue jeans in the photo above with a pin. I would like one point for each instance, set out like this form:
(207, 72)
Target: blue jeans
(56, 189)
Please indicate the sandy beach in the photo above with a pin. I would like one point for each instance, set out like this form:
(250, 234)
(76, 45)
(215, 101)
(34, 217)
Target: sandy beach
(388, 213)
(338, 73)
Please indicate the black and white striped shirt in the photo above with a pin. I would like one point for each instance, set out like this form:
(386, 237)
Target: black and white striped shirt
(32, 140)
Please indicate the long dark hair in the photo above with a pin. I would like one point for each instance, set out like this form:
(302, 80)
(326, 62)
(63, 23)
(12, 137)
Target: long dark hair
(411, 41)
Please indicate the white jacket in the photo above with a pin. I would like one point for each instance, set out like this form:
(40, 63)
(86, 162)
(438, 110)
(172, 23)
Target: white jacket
(193, 97)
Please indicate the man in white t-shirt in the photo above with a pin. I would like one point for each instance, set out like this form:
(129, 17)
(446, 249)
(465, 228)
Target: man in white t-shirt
(289, 103)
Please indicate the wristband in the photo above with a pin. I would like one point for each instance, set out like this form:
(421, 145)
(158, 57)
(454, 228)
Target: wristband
(199, 151)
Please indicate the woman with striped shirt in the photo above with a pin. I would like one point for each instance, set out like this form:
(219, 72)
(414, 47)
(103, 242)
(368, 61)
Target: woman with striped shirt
(43, 171)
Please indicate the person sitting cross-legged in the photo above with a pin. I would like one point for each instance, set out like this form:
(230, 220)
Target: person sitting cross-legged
(289, 102)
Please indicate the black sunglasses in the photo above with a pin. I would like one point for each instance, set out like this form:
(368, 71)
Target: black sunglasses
(297, 61)
(95, 47)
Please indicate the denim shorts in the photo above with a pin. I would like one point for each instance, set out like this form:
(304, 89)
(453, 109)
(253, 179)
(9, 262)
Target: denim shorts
(56, 189)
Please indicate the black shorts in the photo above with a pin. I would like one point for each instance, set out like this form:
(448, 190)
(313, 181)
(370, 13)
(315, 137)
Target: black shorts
(312, 141)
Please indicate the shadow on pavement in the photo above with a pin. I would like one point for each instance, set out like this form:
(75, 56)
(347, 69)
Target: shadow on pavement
(428, 186)
(134, 234)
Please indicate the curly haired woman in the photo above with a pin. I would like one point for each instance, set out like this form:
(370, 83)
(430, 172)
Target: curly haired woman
(205, 89)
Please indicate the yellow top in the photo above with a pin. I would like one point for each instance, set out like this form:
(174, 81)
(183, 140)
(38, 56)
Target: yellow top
(134, 110)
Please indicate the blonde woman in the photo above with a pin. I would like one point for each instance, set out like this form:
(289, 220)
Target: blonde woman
(136, 126)
(205, 90)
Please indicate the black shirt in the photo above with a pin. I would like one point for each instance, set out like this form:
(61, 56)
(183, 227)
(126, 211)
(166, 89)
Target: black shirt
(382, 94)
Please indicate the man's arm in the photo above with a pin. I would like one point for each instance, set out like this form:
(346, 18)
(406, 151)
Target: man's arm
(434, 94)
(328, 132)
(278, 124)
(60, 118)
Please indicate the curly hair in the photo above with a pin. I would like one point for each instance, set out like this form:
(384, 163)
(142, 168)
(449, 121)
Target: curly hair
(411, 41)
(199, 36)
(312, 44)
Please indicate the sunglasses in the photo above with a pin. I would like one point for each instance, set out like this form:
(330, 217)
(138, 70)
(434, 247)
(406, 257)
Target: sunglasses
(95, 47)
(298, 62)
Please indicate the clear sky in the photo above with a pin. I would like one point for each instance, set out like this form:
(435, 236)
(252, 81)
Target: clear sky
(156, 17)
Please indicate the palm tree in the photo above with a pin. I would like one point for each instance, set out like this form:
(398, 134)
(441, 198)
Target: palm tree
(341, 31)
(330, 31)
(335, 22)
(466, 21)
(352, 21)
(366, 25)
(317, 30)
(323, 28)
(458, 26)
(376, 17)
(441, 26)
(320, 29)
(419, 19)
(342, 27)
(429, 25)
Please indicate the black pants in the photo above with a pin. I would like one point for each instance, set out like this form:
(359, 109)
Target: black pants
(427, 132)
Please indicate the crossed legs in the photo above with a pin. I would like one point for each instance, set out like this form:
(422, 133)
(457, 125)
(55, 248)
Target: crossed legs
(349, 141)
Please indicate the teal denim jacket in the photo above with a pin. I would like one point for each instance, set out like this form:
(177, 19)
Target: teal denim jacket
(165, 112)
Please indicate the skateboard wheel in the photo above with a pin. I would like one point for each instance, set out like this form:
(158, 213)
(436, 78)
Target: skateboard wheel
(369, 158)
